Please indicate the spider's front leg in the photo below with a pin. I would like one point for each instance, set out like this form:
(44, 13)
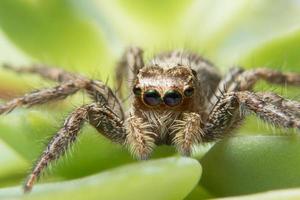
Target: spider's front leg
(99, 116)
(187, 132)
(270, 107)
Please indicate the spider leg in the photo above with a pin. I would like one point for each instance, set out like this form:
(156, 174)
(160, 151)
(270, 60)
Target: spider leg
(247, 79)
(187, 132)
(99, 116)
(225, 82)
(140, 138)
(239, 79)
(58, 145)
(41, 96)
(226, 114)
(104, 95)
(275, 111)
(97, 90)
(291, 106)
(128, 67)
(51, 73)
(107, 122)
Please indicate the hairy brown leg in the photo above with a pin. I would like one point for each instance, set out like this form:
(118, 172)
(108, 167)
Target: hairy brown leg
(187, 132)
(128, 67)
(41, 96)
(107, 122)
(140, 138)
(290, 106)
(51, 73)
(239, 79)
(103, 95)
(247, 79)
(58, 145)
(227, 81)
(242, 80)
(99, 116)
(223, 118)
(97, 90)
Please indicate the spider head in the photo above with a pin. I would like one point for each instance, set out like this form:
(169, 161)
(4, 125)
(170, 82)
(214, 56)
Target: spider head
(165, 87)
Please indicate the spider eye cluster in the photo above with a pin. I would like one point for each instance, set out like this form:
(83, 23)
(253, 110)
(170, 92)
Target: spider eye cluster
(170, 98)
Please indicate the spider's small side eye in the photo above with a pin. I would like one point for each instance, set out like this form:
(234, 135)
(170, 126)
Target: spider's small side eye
(137, 91)
(188, 92)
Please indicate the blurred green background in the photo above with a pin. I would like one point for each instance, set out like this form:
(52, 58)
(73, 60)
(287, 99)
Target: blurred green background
(88, 37)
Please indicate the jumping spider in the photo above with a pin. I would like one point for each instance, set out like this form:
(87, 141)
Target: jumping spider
(179, 99)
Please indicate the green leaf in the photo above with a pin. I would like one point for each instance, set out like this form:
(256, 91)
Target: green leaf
(199, 193)
(249, 164)
(53, 32)
(171, 178)
(281, 52)
(12, 166)
(26, 131)
(290, 194)
(155, 13)
(145, 23)
(227, 30)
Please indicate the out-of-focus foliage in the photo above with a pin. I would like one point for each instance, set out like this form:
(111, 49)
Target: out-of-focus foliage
(252, 164)
(170, 178)
(52, 32)
(88, 37)
(288, 194)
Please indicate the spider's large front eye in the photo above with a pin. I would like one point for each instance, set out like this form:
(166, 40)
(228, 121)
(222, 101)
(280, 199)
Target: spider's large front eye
(152, 97)
(172, 98)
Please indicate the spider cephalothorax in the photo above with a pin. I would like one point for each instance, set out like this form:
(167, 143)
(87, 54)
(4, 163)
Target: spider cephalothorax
(178, 98)
(171, 88)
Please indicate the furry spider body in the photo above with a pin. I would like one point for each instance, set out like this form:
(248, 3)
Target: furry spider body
(178, 99)
(172, 89)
